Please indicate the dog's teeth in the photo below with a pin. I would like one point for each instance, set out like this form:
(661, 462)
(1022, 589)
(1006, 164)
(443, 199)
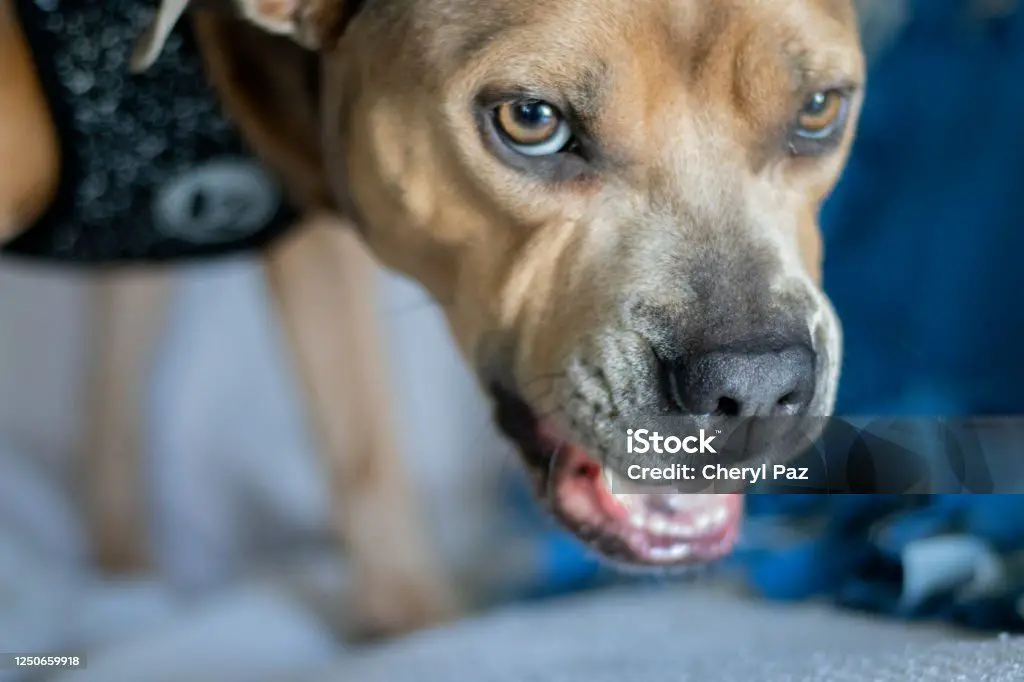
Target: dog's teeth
(673, 553)
(609, 479)
(680, 551)
(680, 529)
(638, 520)
(719, 516)
(658, 525)
(676, 501)
(703, 522)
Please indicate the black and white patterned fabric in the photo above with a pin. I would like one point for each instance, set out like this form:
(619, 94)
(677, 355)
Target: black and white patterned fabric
(152, 169)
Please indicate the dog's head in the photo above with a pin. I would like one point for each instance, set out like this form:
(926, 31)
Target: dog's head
(616, 204)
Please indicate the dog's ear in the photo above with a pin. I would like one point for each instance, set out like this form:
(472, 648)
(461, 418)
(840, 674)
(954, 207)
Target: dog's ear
(270, 88)
(262, 59)
(310, 23)
(151, 43)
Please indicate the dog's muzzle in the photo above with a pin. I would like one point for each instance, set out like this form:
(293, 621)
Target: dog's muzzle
(755, 392)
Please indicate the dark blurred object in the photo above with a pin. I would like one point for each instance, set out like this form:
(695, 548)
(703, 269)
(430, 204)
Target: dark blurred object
(947, 557)
(152, 170)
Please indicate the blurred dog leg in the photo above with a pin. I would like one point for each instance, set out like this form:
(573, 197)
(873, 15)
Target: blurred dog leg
(128, 314)
(324, 283)
(29, 157)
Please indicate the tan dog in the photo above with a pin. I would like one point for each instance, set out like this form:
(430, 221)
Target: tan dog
(615, 202)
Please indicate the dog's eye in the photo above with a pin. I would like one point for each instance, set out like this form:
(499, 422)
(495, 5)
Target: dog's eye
(533, 127)
(822, 115)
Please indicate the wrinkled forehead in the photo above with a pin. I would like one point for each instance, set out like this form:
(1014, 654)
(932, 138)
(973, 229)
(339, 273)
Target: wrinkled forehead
(645, 49)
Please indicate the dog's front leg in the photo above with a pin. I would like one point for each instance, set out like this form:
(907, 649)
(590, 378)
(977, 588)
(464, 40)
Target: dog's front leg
(322, 279)
(128, 314)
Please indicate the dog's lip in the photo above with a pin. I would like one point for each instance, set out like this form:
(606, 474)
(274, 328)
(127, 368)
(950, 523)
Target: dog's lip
(517, 420)
(655, 528)
(650, 528)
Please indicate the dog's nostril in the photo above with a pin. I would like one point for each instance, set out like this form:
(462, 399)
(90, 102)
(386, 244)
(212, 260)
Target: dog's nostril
(728, 383)
(727, 407)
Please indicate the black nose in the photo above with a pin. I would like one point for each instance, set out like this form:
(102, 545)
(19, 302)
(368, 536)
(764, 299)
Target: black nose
(742, 384)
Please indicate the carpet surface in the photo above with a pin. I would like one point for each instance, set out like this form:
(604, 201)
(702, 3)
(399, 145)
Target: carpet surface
(685, 635)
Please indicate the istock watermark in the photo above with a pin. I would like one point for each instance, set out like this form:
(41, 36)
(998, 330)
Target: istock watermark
(644, 441)
(859, 455)
(716, 473)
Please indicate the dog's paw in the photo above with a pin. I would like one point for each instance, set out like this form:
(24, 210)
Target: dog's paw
(384, 609)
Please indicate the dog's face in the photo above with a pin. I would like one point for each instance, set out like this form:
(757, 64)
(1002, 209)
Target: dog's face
(616, 205)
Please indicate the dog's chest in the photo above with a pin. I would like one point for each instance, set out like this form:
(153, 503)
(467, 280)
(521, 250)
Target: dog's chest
(151, 168)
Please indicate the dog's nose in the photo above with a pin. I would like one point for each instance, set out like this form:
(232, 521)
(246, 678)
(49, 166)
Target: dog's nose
(745, 384)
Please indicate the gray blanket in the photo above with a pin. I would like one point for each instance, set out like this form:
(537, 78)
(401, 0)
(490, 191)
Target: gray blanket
(685, 635)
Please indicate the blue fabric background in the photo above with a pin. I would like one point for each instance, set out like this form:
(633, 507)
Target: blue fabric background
(925, 232)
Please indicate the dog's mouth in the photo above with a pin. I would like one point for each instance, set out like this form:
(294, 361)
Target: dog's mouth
(653, 528)
(650, 528)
